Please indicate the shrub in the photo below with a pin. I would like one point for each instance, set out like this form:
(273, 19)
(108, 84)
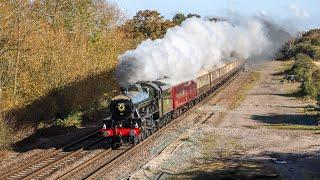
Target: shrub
(316, 79)
(304, 68)
(72, 120)
(285, 52)
(304, 48)
(315, 42)
(308, 88)
(307, 43)
(316, 84)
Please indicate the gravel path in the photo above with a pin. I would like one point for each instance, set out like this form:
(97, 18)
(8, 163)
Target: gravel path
(242, 142)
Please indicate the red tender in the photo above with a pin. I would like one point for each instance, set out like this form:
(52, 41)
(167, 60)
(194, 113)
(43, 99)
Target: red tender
(125, 132)
(183, 93)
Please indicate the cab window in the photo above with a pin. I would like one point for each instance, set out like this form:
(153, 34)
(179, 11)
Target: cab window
(133, 88)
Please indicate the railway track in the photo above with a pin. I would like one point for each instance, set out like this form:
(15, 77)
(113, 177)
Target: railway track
(113, 160)
(44, 165)
(127, 152)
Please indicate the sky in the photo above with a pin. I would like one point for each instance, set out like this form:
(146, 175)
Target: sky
(303, 14)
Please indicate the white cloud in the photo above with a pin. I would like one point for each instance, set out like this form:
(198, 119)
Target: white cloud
(299, 11)
(263, 13)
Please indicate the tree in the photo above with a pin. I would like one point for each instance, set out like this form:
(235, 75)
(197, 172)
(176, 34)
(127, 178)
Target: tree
(178, 18)
(190, 15)
(47, 45)
(215, 18)
(147, 24)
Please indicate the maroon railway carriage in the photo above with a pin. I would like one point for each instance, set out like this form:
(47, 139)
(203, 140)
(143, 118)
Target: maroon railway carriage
(183, 93)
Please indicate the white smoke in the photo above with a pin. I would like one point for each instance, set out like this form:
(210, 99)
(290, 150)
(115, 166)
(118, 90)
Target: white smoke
(188, 48)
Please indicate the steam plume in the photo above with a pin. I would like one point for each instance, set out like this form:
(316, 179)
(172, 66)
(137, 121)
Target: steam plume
(194, 45)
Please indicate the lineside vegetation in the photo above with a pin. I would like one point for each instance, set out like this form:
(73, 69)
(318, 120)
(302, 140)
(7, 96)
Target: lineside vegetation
(304, 51)
(57, 59)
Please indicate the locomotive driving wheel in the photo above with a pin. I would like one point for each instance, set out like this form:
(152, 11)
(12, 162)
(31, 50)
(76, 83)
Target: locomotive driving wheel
(113, 142)
(143, 135)
(136, 139)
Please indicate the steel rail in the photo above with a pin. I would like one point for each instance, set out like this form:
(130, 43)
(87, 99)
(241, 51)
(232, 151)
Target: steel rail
(119, 158)
(15, 171)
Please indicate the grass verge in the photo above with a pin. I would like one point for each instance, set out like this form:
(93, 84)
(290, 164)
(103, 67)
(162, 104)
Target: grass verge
(240, 95)
(293, 127)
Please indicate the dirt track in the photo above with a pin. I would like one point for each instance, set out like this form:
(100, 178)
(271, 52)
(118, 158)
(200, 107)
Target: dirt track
(247, 142)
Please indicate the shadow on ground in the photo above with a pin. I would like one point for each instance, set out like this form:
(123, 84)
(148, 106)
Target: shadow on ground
(292, 166)
(52, 137)
(295, 119)
(293, 94)
(81, 95)
(229, 170)
(282, 73)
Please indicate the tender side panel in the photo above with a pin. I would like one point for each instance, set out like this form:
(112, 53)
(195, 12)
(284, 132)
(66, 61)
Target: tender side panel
(184, 93)
(167, 102)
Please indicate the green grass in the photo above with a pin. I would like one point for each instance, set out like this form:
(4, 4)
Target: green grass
(293, 127)
(240, 95)
(73, 120)
(285, 66)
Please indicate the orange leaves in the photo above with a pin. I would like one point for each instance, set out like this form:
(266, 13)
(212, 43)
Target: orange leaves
(58, 45)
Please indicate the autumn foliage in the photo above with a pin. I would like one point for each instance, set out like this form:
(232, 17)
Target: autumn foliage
(47, 46)
(58, 57)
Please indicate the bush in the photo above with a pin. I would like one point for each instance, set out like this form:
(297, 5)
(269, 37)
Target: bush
(316, 84)
(305, 49)
(316, 79)
(304, 68)
(285, 52)
(307, 43)
(315, 42)
(72, 120)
